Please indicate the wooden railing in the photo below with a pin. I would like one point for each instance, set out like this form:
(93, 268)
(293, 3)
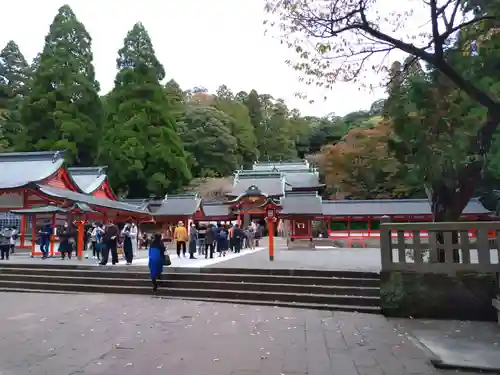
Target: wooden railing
(446, 248)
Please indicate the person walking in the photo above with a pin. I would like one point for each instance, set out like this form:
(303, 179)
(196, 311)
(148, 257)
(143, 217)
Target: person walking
(250, 234)
(45, 234)
(193, 240)
(210, 237)
(237, 237)
(97, 241)
(157, 259)
(5, 244)
(14, 234)
(65, 245)
(111, 233)
(127, 243)
(222, 241)
(181, 238)
(202, 232)
(134, 234)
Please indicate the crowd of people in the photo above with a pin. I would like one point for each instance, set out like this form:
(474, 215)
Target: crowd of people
(102, 240)
(207, 240)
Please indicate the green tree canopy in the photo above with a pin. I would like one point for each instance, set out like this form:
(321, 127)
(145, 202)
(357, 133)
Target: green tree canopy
(240, 127)
(63, 110)
(15, 74)
(206, 133)
(141, 144)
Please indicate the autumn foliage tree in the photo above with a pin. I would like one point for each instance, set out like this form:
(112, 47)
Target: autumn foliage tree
(346, 36)
(362, 166)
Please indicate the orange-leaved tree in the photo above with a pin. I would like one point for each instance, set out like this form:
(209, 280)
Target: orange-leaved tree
(361, 165)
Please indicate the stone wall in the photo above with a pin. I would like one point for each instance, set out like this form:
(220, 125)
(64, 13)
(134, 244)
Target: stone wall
(464, 296)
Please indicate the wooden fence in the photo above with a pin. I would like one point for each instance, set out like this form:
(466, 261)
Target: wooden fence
(446, 248)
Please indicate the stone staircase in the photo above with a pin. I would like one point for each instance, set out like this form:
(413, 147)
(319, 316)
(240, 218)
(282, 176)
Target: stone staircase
(326, 290)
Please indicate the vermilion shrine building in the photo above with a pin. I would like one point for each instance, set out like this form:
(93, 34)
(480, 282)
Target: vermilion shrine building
(295, 187)
(38, 186)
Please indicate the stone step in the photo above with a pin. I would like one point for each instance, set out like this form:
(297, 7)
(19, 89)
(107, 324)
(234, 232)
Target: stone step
(207, 270)
(200, 293)
(197, 284)
(114, 272)
(329, 307)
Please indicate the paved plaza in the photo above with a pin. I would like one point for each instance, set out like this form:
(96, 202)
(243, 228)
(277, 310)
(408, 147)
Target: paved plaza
(48, 334)
(319, 259)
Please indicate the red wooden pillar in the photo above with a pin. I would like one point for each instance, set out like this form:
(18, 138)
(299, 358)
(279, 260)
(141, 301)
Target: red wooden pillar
(53, 235)
(80, 224)
(33, 235)
(270, 226)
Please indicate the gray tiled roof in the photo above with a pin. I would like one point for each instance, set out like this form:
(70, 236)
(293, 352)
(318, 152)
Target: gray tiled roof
(179, 205)
(53, 209)
(139, 203)
(390, 207)
(88, 179)
(273, 186)
(301, 180)
(21, 168)
(216, 209)
(302, 165)
(301, 203)
(89, 199)
(39, 210)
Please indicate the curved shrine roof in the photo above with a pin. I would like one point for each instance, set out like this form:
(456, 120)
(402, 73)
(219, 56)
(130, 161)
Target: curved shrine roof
(90, 199)
(179, 205)
(88, 179)
(311, 204)
(19, 169)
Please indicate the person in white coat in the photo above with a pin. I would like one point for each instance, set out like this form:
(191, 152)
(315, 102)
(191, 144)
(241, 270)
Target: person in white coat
(134, 237)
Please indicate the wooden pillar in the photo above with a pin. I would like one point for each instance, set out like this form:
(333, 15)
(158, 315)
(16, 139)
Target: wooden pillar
(270, 226)
(33, 235)
(53, 235)
(79, 242)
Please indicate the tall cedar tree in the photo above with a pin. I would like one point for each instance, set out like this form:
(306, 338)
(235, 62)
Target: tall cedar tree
(144, 151)
(63, 109)
(14, 79)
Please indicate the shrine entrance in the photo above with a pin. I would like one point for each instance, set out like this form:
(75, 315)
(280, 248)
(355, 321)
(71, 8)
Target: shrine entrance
(251, 206)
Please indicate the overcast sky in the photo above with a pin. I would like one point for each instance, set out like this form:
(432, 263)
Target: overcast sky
(200, 42)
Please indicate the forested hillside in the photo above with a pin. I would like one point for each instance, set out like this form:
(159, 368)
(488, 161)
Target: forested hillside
(154, 135)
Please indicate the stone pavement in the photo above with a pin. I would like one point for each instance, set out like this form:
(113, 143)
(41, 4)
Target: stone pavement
(48, 334)
(458, 344)
(141, 259)
(352, 259)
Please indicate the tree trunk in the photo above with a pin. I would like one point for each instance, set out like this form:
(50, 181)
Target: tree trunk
(448, 203)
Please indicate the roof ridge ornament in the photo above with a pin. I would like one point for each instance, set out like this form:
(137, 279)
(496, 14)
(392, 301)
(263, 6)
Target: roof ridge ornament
(57, 155)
